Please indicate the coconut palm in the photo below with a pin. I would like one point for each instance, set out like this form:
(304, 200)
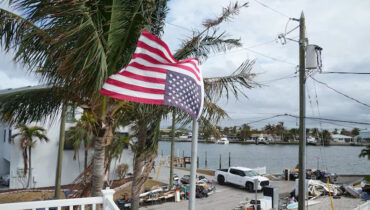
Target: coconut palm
(27, 140)
(365, 152)
(82, 133)
(77, 45)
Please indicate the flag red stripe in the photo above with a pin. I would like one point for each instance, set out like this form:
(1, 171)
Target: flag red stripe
(147, 68)
(153, 50)
(152, 60)
(142, 78)
(135, 87)
(130, 98)
(160, 42)
(191, 60)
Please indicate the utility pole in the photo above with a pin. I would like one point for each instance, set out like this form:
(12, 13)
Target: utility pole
(302, 114)
(172, 146)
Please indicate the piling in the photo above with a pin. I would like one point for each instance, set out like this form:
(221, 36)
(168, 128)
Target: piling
(229, 159)
(220, 162)
(205, 160)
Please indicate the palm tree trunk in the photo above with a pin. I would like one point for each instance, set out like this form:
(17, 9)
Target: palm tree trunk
(29, 169)
(98, 172)
(86, 156)
(139, 158)
(58, 175)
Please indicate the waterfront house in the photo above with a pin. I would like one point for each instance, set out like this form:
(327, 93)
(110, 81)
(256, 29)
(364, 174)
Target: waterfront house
(267, 137)
(44, 155)
(341, 138)
(363, 137)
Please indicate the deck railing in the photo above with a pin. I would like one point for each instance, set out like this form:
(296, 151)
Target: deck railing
(106, 201)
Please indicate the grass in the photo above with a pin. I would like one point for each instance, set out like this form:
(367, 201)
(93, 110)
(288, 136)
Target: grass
(23, 196)
(201, 171)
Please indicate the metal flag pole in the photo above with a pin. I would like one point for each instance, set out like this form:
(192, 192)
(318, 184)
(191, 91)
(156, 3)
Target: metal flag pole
(193, 169)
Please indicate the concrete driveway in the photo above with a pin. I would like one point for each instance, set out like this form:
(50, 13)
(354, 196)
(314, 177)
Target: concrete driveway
(226, 196)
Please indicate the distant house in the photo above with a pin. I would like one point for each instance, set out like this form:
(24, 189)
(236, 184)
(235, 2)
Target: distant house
(267, 137)
(364, 136)
(341, 138)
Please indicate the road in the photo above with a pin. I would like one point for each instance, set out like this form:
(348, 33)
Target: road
(226, 196)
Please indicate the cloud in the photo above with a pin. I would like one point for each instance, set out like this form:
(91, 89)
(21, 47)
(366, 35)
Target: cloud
(341, 28)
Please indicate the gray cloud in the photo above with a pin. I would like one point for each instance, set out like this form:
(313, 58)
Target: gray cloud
(341, 28)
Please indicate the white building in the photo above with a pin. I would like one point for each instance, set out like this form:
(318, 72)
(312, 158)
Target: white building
(341, 138)
(44, 154)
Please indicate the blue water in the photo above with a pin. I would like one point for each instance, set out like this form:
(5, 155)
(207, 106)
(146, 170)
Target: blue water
(335, 159)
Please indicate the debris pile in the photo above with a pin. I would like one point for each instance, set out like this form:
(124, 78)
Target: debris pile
(178, 192)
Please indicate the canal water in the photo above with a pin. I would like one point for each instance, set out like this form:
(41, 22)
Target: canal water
(335, 159)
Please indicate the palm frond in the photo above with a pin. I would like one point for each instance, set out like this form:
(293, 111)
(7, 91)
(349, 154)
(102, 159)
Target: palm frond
(201, 43)
(202, 46)
(34, 104)
(227, 13)
(236, 83)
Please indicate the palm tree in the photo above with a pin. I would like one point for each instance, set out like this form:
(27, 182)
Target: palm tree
(280, 129)
(77, 45)
(365, 152)
(82, 132)
(28, 137)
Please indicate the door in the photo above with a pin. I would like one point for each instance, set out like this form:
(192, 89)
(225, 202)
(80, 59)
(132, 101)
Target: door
(234, 176)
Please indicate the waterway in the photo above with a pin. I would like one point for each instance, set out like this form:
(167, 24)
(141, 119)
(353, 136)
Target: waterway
(335, 159)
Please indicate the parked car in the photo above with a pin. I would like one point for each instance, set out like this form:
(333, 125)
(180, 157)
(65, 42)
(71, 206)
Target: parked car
(5, 179)
(241, 176)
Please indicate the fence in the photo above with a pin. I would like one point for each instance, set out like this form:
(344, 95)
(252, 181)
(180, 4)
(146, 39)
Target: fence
(106, 201)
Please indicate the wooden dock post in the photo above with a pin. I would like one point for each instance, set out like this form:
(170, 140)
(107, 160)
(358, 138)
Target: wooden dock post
(220, 162)
(229, 159)
(197, 161)
(205, 160)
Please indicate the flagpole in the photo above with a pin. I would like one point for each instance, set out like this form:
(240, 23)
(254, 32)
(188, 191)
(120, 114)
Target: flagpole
(193, 169)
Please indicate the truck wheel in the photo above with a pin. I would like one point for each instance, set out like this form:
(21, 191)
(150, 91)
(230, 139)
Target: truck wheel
(249, 186)
(221, 179)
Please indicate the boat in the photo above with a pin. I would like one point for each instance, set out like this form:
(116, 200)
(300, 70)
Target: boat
(223, 140)
(311, 140)
(262, 140)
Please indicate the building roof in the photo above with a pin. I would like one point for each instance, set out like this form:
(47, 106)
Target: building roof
(12, 90)
(339, 136)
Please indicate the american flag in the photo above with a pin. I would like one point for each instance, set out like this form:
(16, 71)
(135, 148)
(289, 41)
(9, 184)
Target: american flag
(154, 76)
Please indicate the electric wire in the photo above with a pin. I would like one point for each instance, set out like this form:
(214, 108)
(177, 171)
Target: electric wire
(274, 10)
(344, 72)
(343, 94)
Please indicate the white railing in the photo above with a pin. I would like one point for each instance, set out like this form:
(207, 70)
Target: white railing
(106, 201)
(364, 206)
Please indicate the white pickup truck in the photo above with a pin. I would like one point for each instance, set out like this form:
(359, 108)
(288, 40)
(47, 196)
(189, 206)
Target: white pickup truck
(241, 176)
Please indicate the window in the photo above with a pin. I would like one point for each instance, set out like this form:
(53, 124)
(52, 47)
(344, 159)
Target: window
(234, 171)
(70, 116)
(10, 134)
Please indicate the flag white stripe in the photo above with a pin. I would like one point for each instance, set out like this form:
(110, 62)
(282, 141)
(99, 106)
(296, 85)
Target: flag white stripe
(156, 45)
(164, 66)
(136, 82)
(162, 60)
(133, 93)
(151, 54)
(145, 73)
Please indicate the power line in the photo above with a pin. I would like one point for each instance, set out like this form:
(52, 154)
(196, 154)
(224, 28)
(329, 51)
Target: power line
(327, 119)
(277, 79)
(345, 95)
(270, 57)
(274, 10)
(343, 72)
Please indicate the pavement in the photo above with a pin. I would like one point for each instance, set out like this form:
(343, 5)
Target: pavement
(226, 196)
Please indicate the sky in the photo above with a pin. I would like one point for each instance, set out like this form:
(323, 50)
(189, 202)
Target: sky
(340, 27)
